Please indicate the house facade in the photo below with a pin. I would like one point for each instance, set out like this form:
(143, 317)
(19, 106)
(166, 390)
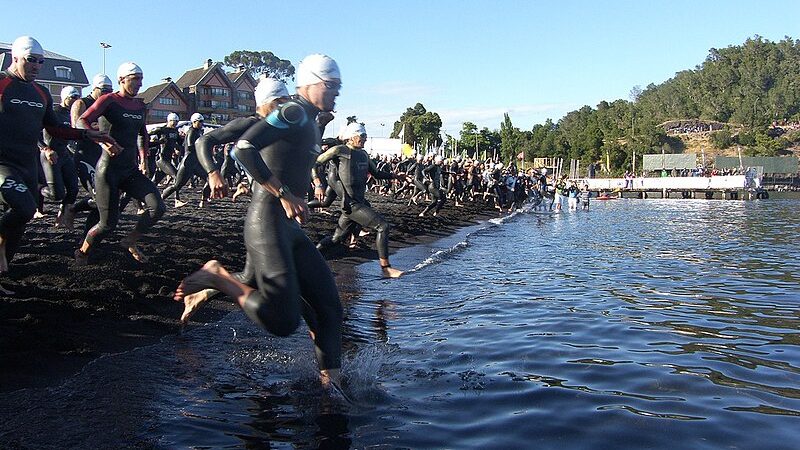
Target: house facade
(58, 71)
(163, 99)
(219, 96)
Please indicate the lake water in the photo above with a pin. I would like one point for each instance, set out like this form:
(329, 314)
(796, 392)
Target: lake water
(638, 324)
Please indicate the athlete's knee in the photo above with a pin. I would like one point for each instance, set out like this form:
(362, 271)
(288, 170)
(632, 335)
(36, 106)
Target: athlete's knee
(383, 227)
(260, 312)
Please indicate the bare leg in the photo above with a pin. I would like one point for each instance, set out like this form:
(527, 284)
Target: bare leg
(213, 275)
(388, 270)
(129, 242)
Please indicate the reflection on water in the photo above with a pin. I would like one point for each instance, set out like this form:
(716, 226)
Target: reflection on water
(658, 323)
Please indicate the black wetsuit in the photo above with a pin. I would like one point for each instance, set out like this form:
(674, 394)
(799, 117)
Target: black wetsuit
(25, 108)
(190, 166)
(292, 277)
(204, 146)
(168, 140)
(61, 177)
(354, 167)
(126, 118)
(434, 172)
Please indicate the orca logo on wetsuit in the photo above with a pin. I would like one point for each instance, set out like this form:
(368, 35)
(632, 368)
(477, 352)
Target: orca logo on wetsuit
(132, 116)
(17, 101)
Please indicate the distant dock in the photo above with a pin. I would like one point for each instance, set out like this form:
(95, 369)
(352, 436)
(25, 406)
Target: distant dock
(730, 187)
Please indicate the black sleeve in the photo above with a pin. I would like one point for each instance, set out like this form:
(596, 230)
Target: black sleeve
(229, 133)
(280, 123)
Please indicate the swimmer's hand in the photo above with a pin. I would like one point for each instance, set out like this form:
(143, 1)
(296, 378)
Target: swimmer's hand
(113, 149)
(295, 208)
(50, 155)
(219, 188)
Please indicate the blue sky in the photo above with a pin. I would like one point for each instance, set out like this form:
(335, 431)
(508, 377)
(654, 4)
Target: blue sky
(468, 60)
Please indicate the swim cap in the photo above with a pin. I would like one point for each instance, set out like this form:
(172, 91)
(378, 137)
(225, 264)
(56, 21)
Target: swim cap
(315, 68)
(197, 117)
(69, 91)
(128, 68)
(24, 46)
(437, 159)
(173, 116)
(269, 89)
(100, 81)
(352, 130)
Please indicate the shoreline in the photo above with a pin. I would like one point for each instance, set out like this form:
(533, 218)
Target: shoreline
(63, 317)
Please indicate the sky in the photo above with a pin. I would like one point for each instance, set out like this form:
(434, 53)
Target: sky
(467, 60)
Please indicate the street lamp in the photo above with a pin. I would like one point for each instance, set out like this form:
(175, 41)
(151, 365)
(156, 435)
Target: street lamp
(105, 46)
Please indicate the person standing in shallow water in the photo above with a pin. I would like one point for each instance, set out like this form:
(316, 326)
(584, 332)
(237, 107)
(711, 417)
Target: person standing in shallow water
(354, 166)
(293, 280)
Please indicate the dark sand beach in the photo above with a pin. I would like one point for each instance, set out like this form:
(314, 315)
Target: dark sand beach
(62, 317)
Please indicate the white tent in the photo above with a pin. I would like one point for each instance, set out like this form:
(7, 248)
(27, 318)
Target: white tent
(383, 146)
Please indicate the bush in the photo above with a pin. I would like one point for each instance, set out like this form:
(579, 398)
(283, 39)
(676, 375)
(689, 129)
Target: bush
(721, 139)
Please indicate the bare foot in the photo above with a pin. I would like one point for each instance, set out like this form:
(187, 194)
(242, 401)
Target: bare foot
(391, 272)
(133, 249)
(200, 280)
(193, 302)
(38, 214)
(179, 204)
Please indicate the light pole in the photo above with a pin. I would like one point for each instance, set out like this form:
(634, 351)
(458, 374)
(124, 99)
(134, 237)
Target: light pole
(105, 46)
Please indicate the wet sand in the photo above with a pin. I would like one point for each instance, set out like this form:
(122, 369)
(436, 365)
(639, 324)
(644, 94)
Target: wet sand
(62, 317)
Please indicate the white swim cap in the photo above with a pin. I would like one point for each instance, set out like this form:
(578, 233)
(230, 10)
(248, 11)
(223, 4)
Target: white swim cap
(437, 159)
(315, 68)
(269, 89)
(420, 157)
(69, 91)
(544, 170)
(197, 117)
(352, 130)
(100, 81)
(24, 46)
(128, 68)
(498, 166)
(173, 116)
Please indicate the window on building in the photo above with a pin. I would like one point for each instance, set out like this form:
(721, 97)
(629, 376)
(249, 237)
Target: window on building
(167, 101)
(159, 113)
(216, 91)
(245, 108)
(215, 104)
(246, 95)
(63, 72)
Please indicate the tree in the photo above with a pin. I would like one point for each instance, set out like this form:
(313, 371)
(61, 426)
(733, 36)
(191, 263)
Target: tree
(421, 128)
(258, 63)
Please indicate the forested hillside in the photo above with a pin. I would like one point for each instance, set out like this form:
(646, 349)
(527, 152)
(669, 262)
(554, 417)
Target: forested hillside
(750, 91)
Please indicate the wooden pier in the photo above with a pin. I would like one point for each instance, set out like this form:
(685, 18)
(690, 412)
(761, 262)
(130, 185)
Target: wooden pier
(731, 187)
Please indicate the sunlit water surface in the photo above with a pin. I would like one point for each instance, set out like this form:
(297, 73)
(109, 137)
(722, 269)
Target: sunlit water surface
(658, 323)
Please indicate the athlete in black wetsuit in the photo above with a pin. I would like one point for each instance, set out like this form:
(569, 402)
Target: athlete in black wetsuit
(168, 139)
(354, 166)
(434, 173)
(25, 108)
(333, 185)
(292, 277)
(189, 166)
(58, 164)
(118, 168)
